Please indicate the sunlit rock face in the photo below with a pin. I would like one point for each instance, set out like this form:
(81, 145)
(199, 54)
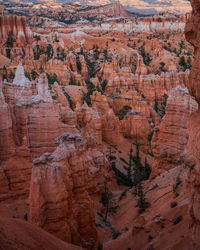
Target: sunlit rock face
(20, 79)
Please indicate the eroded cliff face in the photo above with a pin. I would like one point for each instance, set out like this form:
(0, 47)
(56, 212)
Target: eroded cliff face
(192, 32)
(61, 185)
(171, 136)
(16, 36)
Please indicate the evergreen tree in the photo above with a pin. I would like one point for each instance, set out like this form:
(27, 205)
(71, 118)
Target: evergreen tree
(122, 113)
(72, 81)
(182, 63)
(156, 108)
(162, 65)
(78, 64)
(49, 52)
(142, 203)
(106, 201)
(34, 74)
(189, 63)
(129, 167)
(135, 171)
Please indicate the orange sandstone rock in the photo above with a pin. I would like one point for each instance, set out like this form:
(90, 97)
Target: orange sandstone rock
(171, 136)
(61, 186)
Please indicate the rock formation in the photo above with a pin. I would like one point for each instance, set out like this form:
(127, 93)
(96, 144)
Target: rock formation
(16, 36)
(61, 186)
(193, 148)
(112, 10)
(171, 136)
(15, 26)
(6, 138)
(42, 88)
(110, 123)
(20, 79)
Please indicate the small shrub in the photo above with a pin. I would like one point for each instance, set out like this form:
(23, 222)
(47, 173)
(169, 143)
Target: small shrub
(178, 182)
(150, 237)
(123, 194)
(177, 220)
(176, 195)
(124, 111)
(115, 234)
(26, 217)
(173, 204)
(162, 65)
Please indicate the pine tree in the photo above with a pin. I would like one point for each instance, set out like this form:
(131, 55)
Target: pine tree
(142, 202)
(182, 63)
(129, 167)
(106, 200)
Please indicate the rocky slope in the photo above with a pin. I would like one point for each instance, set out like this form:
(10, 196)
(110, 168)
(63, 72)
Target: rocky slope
(16, 234)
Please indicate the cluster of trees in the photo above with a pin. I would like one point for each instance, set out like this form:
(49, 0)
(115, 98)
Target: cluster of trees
(72, 81)
(134, 173)
(161, 110)
(185, 64)
(9, 43)
(68, 97)
(145, 56)
(49, 52)
(124, 111)
(52, 77)
(91, 88)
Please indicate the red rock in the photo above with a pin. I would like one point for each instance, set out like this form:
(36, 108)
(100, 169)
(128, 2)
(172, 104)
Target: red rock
(193, 148)
(114, 10)
(18, 234)
(110, 123)
(60, 187)
(171, 136)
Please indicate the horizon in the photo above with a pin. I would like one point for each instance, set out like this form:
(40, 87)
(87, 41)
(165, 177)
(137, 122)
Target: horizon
(146, 7)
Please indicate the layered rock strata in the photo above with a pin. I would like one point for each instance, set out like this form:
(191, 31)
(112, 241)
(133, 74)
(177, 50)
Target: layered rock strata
(171, 136)
(61, 185)
(192, 32)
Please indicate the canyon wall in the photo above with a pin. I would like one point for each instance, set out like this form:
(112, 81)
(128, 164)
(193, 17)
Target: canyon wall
(192, 32)
(171, 136)
(59, 185)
